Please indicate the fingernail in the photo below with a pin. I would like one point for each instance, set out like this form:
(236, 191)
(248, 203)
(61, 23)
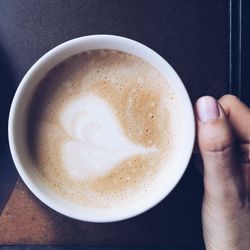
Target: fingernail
(207, 109)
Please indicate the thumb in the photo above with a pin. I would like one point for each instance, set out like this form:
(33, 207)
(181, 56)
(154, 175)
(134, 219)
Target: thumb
(216, 144)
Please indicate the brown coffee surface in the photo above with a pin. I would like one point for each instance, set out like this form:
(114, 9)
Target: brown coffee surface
(141, 101)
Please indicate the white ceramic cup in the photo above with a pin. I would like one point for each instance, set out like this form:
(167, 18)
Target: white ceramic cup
(17, 129)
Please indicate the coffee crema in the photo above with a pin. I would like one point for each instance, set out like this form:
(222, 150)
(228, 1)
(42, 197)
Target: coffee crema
(102, 126)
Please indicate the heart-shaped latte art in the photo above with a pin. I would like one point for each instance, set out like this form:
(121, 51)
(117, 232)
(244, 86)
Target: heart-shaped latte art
(97, 142)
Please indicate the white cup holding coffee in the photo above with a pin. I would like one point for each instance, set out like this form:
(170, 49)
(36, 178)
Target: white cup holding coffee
(162, 183)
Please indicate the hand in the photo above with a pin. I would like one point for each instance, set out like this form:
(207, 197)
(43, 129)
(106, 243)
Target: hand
(223, 136)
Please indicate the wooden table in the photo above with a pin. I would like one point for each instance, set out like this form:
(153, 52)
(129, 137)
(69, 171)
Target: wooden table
(200, 39)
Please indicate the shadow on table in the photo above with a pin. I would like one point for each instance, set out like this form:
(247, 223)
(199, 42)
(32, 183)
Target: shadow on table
(8, 172)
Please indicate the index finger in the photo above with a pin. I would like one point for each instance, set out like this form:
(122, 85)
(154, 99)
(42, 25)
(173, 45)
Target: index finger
(238, 115)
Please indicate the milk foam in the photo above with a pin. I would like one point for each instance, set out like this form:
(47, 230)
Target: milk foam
(97, 142)
(103, 126)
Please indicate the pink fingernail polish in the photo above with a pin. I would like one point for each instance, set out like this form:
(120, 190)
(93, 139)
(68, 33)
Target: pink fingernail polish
(207, 109)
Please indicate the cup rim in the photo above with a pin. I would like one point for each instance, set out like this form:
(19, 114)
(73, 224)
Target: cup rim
(14, 151)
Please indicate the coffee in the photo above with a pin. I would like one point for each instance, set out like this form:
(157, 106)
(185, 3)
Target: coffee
(102, 126)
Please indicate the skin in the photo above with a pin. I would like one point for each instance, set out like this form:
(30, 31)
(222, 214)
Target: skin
(224, 144)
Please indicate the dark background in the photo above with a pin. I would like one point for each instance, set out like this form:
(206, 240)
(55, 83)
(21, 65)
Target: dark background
(192, 35)
(200, 39)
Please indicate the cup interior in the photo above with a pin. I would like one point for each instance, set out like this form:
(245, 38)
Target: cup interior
(18, 117)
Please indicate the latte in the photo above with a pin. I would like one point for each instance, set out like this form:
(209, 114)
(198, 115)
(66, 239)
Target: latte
(102, 126)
